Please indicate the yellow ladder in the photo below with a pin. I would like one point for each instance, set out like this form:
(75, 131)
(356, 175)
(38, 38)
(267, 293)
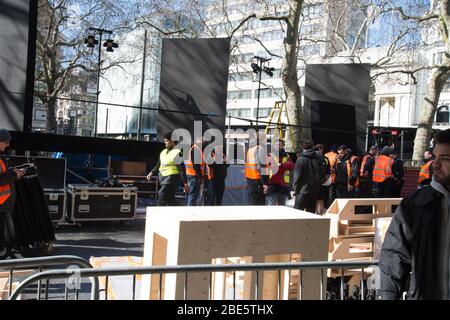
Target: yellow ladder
(275, 122)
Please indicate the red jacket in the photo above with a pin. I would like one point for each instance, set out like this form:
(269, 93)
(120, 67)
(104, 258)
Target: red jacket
(278, 178)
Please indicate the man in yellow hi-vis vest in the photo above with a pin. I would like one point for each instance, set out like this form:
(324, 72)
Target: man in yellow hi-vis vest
(171, 172)
(7, 193)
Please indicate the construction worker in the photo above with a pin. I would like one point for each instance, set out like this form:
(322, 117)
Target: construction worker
(217, 173)
(280, 167)
(256, 170)
(382, 174)
(426, 170)
(171, 172)
(353, 173)
(308, 177)
(365, 173)
(332, 156)
(196, 173)
(398, 174)
(7, 194)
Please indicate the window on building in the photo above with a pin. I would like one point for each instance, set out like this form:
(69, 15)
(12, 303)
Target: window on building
(442, 114)
(263, 112)
(239, 95)
(446, 87)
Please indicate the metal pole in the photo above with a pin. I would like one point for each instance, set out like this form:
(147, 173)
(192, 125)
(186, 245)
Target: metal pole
(141, 101)
(259, 92)
(98, 82)
(401, 144)
(106, 122)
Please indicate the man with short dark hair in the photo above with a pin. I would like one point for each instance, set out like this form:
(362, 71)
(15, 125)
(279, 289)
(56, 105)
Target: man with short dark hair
(415, 253)
(171, 172)
(7, 193)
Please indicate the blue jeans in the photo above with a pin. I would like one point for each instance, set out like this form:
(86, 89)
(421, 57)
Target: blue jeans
(194, 190)
(276, 199)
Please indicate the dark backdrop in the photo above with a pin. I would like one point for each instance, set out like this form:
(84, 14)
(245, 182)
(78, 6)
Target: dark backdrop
(336, 104)
(194, 77)
(17, 31)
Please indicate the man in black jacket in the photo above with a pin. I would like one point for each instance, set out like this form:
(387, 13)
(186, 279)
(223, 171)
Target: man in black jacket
(7, 192)
(415, 253)
(306, 191)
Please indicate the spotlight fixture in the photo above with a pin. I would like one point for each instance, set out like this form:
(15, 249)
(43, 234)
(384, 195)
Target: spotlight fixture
(110, 44)
(269, 71)
(255, 67)
(91, 41)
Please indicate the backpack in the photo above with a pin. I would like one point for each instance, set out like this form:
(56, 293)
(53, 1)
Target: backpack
(319, 172)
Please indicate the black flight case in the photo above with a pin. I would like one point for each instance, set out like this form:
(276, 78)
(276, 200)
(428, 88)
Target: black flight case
(93, 203)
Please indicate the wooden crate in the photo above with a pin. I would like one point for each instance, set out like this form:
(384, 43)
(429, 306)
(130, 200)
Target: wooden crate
(352, 231)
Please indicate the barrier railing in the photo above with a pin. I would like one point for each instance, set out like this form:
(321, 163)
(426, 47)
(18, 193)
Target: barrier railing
(78, 274)
(43, 262)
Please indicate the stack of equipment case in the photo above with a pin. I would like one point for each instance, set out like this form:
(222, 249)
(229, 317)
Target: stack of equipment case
(93, 203)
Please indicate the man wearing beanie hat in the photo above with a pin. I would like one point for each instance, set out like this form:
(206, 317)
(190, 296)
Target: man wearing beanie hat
(7, 192)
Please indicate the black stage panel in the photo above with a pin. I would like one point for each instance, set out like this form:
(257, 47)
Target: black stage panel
(17, 30)
(23, 141)
(194, 77)
(336, 104)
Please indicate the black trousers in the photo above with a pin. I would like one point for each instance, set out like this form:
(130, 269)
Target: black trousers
(216, 189)
(166, 195)
(342, 191)
(306, 202)
(5, 225)
(255, 193)
(385, 189)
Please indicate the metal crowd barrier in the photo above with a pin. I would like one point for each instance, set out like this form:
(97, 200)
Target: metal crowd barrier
(42, 262)
(186, 269)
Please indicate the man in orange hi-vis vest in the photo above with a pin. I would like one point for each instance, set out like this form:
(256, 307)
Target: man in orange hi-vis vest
(382, 175)
(426, 170)
(256, 170)
(7, 194)
(365, 174)
(196, 173)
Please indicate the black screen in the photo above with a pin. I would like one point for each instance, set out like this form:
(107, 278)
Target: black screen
(194, 77)
(333, 123)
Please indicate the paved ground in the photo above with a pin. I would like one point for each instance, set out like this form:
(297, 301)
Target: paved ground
(106, 238)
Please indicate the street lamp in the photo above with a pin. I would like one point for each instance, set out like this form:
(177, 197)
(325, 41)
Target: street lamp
(91, 42)
(259, 69)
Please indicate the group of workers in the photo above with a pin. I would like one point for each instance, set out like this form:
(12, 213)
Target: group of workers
(315, 179)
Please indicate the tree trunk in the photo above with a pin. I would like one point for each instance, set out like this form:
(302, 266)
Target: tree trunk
(51, 115)
(427, 112)
(290, 75)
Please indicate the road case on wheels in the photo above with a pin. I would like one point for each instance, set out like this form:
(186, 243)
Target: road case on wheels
(93, 203)
(56, 201)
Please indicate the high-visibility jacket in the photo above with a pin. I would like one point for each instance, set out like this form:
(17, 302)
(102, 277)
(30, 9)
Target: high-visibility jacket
(363, 164)
(5, 191)
(424, 173)
(251, 167)
(349, 169)
(168, 166)
(332, 159)
(286, 175)
(382, 169)
(190, 170)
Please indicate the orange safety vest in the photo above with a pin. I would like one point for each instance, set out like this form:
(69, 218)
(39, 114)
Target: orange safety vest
(382, 169)
(251, 168)
(424, 173)
(349, 170)
(5, 191)
(332, 159)
(190, 171)
(363, 164)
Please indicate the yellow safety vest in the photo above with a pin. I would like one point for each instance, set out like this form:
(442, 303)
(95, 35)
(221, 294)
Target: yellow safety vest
(286, 175)
(168, 166)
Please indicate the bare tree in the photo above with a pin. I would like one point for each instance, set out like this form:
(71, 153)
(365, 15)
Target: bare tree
(60, 48)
